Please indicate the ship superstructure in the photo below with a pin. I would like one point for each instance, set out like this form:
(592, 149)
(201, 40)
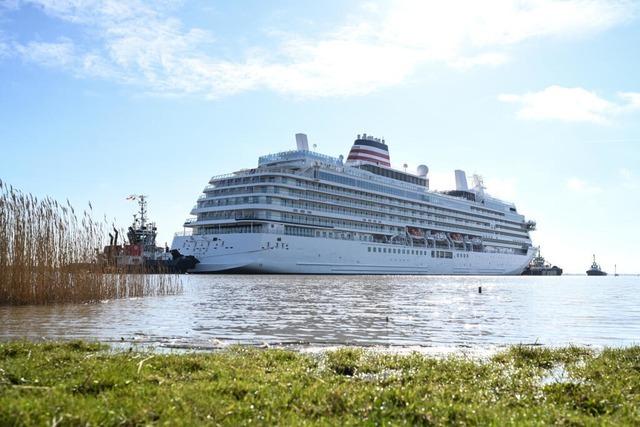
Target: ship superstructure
(304, 212)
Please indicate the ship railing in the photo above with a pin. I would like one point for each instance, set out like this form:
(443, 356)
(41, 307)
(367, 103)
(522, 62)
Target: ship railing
(298, 155)
(247, 172)
(225, 175)
(337, 167)
(384, 180)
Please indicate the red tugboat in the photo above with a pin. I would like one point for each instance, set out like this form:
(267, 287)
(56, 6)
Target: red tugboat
(140, 253)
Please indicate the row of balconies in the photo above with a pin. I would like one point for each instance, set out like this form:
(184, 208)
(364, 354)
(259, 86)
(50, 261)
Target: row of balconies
(401, 206)
(388, 225)
(460, 219)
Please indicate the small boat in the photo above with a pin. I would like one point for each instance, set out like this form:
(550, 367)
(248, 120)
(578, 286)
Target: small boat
(595, 269)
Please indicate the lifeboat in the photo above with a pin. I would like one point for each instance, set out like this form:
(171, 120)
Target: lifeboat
(415, 232)
(456, 237)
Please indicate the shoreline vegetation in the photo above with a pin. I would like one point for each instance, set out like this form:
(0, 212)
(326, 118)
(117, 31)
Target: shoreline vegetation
(82, 383)
(48, 255)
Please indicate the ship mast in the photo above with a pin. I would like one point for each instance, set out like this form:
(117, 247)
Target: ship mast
(141, 218)
(142, 202)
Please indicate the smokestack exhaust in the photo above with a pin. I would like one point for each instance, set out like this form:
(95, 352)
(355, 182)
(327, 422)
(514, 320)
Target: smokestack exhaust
(302, 142)
(461, 180)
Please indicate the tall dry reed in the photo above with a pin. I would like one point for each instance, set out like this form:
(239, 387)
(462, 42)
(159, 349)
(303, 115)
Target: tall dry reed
(48, 255)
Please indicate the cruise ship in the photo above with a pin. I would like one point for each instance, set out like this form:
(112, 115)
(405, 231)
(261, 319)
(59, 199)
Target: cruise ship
(304, 212)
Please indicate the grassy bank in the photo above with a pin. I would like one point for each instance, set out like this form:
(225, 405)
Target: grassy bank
(78, 383)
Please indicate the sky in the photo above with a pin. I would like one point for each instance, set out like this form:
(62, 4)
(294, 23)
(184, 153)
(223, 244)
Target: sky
(103, 99)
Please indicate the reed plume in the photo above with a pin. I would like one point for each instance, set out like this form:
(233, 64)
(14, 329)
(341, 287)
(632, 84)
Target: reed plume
(48, 254)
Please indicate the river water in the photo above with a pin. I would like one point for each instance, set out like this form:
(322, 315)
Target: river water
(316, 311)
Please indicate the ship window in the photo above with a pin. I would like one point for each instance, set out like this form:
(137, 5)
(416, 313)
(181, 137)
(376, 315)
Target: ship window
(369, 249)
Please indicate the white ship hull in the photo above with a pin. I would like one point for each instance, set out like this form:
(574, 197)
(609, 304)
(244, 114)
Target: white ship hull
(284, 254)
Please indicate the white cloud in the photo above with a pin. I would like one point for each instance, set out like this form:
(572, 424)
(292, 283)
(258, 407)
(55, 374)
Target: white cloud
(578, 185)
(503, 188)
(384, 43)
(55, 54)
(629, 180)
(4, 49)
(490, 58)
(632, 98)
(569, 104)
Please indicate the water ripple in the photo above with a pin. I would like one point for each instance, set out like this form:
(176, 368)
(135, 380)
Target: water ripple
(363, 310)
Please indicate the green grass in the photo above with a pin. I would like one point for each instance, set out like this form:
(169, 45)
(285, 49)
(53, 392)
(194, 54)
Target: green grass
(79, 383)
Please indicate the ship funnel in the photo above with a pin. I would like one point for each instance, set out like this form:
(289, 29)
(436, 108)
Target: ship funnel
(461, 180)
(367, 149)
(302, 142)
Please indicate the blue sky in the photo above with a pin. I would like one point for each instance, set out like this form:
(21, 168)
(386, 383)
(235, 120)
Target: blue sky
(102, 99)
